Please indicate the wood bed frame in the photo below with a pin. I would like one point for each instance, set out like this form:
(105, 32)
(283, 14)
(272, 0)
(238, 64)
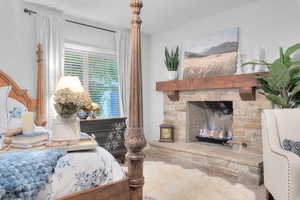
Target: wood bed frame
(130, 188)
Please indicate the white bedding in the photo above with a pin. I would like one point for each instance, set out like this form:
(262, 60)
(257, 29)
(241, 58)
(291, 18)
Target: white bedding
(75, 171)
(81, 170)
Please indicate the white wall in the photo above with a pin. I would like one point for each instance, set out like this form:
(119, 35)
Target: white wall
(263, 23)
(89, 36)
(17, 47)
(17, 44)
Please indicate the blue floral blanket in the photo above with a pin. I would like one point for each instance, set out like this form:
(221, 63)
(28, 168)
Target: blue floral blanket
(24, 174)
(82, 170)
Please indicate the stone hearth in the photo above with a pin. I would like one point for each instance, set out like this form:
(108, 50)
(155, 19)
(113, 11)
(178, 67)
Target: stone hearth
(246, 128)
(213, 159)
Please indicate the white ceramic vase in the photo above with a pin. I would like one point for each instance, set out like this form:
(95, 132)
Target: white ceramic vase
(172, 75)
(66, 129)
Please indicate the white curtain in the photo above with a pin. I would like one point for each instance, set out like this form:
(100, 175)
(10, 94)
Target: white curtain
(123, 51)
(49, 26)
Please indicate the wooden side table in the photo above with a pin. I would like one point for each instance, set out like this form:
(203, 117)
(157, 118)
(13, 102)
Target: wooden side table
(110, 134)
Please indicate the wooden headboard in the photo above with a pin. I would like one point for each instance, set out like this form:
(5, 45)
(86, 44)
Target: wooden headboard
(33, 105)
(16, 92)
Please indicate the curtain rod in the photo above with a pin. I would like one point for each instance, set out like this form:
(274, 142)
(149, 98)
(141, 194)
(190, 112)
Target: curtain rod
(30, 12)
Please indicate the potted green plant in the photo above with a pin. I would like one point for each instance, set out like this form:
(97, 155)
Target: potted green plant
(172, 62)
(282, 84)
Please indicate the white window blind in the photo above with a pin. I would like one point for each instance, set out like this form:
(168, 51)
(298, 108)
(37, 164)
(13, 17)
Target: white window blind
(97, 71)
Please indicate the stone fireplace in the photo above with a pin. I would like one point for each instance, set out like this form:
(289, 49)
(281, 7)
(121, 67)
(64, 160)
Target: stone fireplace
(246, 120)
(224, 108)
(209, 121)
(189, 103)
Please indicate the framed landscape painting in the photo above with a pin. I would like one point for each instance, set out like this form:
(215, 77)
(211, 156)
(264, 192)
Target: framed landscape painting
(213, 55)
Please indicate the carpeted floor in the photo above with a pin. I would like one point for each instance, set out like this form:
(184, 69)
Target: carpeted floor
(165, 181)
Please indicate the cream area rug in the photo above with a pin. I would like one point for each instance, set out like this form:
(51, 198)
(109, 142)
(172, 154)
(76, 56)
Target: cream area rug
(172, 182)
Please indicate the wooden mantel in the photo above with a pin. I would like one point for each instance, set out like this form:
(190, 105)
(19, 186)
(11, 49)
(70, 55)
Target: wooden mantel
(246, 84)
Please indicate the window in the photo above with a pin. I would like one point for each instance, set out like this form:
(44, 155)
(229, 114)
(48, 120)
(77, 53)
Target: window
(98, 73)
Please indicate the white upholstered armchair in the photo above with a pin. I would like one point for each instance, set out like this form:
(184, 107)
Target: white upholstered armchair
(281, 168)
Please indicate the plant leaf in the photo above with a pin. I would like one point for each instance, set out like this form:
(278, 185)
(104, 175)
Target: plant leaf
(294, 71)
(167, 53)
(295, 67)
(281, 55)
(265, 86)
(177, 52)
(278, 77)
(287, 60)
(295, 63)
(277, 100)
(292, 49)
(261, 62)
(296, 90)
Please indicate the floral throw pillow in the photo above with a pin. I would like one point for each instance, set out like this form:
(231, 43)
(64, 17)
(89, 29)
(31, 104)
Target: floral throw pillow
(14, 113)
(291, 146)
(4, 91)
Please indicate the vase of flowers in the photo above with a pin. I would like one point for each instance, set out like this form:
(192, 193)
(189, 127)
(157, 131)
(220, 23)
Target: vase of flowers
(66, 126)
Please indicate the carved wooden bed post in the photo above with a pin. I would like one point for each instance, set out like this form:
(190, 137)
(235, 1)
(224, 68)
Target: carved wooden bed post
(40, 114)
(135, 140)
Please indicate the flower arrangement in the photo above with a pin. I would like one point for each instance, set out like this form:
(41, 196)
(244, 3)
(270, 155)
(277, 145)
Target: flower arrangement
(68, 103)
(92, 109)
(95, 109)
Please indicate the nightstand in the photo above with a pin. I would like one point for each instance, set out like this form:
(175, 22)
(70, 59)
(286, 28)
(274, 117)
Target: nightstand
(110, 134)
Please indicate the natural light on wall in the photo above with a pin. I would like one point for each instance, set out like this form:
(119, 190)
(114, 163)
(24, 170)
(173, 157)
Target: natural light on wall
(97, 71)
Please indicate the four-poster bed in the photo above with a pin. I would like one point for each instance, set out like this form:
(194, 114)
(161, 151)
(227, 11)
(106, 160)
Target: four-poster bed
(130, 188)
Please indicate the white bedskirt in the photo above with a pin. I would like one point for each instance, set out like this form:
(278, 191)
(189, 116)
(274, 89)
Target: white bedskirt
(81, 170)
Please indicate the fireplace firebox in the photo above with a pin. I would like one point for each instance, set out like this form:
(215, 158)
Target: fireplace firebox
(210, 121)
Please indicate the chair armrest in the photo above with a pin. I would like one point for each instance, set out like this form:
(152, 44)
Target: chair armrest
(282, 174)
(276, 168)
(293, 175)
(275, 159)
(281, 168)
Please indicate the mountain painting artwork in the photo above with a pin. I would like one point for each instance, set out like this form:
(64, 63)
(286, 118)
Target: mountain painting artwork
(214, 55)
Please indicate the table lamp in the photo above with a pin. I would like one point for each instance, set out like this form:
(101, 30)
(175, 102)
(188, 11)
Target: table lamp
(67, 130)
(71, 82)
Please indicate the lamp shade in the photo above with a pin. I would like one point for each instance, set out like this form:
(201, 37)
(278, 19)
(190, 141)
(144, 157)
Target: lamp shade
(71, 82)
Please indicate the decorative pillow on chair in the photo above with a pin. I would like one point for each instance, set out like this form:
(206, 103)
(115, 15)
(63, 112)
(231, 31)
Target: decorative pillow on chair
(14, 113)
(4, 91)
(292, 146)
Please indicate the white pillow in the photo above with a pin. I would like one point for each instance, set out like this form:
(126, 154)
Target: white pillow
(14, 113)
(4, 91)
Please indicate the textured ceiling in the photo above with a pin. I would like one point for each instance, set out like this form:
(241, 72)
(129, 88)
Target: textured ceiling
(157, 15)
